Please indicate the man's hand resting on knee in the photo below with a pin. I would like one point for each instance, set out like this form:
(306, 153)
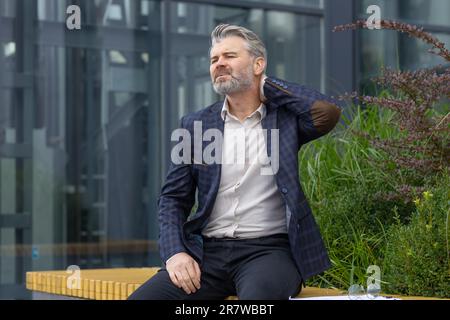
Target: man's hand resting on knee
(184, 272)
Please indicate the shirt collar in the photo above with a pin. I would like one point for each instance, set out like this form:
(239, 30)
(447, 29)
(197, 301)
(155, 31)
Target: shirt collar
(225, 110)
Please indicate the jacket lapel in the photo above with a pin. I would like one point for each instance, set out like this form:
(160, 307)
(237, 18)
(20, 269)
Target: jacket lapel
(269, 122)
(214, 121)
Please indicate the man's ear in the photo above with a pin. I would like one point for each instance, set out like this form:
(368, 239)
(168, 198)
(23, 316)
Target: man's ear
(259, 66)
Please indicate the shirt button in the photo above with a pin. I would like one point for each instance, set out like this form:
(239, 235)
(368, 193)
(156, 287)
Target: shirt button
(284, 190)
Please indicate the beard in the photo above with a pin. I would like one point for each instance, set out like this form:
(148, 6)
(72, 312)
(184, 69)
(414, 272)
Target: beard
(237, 83)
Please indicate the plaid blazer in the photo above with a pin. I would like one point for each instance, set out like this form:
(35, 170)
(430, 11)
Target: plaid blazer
(301, 114)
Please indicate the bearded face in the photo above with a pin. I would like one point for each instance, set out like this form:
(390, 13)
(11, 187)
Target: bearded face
(229, 81)
(231, 66)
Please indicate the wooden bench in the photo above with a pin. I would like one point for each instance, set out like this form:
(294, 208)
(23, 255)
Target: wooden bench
(119, 284)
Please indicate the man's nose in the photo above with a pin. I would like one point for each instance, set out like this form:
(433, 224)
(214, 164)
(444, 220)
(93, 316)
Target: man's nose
(221, 62)
(221, 67)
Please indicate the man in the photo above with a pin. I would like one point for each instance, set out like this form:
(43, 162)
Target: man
(253, 234)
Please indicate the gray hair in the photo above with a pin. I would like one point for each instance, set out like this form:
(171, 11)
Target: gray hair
(255, 46)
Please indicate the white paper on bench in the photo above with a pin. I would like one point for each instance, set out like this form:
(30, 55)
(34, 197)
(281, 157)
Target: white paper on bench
(346, 297)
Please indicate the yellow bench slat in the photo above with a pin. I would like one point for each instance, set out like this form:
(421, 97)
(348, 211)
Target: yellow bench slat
(120, 283)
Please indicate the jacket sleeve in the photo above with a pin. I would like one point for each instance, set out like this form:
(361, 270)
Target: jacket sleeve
(316, 113)
(175, 204)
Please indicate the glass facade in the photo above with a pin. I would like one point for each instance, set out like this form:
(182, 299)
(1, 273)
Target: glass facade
(391, 49)
(86, 115)
(306, 3)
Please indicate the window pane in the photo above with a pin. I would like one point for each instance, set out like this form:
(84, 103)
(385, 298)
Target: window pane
(92, 180)
(135, 14)
(201, 19)
(435, 12)
(306, 3)
(8, 8)
(92, 136)
(295, 48)
(390, 49)
(415, 53)
(51, 10)
(8, 58)
(426, 11)
(8, 101)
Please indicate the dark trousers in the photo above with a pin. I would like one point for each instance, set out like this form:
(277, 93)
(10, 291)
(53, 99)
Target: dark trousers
(260, 268)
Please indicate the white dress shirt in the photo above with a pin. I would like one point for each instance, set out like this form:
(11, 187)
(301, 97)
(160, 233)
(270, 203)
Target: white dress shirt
(248, 203)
